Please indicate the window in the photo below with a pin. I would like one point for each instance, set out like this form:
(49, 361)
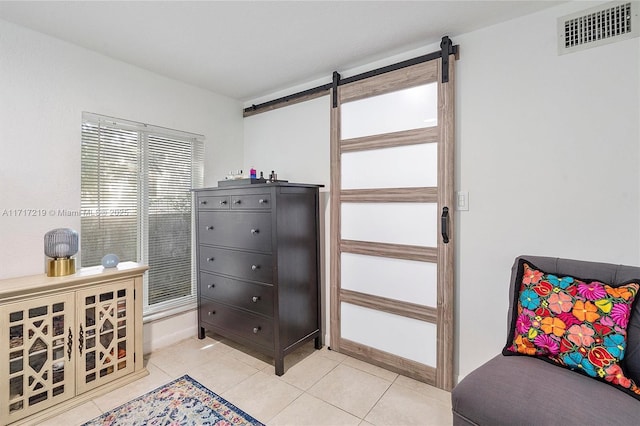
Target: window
(136, 202)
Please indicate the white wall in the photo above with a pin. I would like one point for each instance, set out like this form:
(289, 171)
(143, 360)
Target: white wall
(547, 146)
(288, 139)
(45, 84)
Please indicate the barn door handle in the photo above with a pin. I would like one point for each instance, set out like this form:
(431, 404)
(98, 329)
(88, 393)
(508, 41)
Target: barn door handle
(444, 224)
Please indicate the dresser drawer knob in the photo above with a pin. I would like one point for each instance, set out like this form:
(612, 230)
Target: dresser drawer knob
(203, 202)
(256, 329)
(210, 259)
(236, 201)
(255, 231)
(211, 285)
(262, 201)
(209, 228)
(254, 299)
(223, 202)
(255, 267)
(211, 313)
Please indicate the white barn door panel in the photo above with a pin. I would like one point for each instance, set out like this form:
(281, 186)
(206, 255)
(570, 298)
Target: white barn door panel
(392, 242)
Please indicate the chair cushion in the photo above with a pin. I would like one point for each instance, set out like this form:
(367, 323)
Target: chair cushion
(523, 390)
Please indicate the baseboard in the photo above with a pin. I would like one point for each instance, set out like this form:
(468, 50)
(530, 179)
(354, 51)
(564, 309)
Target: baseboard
(167, 331)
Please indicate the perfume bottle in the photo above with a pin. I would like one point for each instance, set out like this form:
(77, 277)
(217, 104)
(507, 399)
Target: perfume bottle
(252, 173)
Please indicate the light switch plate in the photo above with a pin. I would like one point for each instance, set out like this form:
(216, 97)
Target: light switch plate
(462, 200)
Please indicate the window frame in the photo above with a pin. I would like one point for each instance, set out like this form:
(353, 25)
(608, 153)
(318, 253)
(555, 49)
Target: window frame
(144, 131)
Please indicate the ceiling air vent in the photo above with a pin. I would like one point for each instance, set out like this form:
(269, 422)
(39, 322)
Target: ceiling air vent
(607, 23)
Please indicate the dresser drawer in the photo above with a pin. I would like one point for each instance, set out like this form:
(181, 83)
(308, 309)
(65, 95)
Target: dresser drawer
(210, 202)
(241, 323)
(243, 265)
(245, 230)
(251, 201)
(253, 297)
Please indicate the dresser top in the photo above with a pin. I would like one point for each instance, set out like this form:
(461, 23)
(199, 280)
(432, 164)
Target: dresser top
(261, 185)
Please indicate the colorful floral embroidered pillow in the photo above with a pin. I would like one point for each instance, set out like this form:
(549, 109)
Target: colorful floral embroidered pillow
(577, 324)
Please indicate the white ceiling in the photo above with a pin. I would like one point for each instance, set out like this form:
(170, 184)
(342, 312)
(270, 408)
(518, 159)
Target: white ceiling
(247, 49)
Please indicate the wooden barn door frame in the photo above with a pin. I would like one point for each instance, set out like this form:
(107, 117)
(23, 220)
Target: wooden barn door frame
(443, 134)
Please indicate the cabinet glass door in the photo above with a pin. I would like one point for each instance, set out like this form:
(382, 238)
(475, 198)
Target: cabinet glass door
(105, 334)
(36, 342)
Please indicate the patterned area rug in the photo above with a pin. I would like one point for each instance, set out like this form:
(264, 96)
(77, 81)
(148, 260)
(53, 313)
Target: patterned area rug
(181, 402)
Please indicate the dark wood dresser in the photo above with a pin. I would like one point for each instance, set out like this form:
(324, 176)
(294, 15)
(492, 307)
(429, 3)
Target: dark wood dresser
(259, 266)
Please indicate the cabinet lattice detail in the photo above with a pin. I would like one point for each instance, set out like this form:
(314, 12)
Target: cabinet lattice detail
(39, 372)
(105, 329)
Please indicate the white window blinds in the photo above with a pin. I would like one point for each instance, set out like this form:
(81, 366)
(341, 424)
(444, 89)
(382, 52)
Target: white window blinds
(136, 203)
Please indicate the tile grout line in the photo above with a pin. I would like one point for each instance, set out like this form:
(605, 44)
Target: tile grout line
(305, 391)
(342, 362)
(379, 399)
(339, 363)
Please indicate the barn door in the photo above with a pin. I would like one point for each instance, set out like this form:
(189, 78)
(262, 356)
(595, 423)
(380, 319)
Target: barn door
(392, 221)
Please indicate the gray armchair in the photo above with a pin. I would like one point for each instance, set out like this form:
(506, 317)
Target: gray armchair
(524, 390)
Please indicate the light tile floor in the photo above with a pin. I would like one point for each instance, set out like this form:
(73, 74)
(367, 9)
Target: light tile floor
(319, 387)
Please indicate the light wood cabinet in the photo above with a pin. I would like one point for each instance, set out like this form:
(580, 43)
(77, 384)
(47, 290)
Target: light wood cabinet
(65, 340)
